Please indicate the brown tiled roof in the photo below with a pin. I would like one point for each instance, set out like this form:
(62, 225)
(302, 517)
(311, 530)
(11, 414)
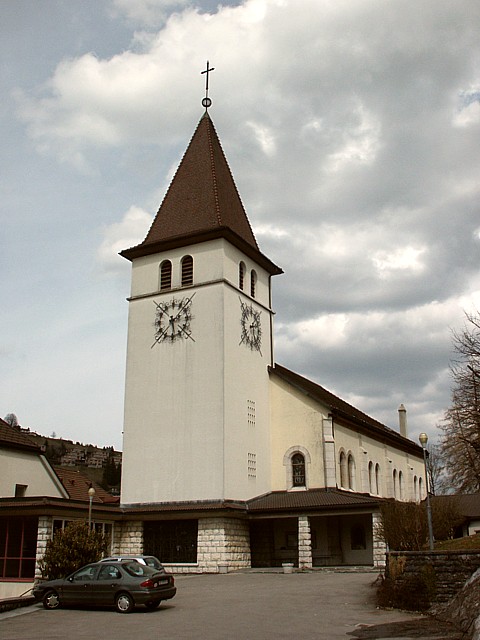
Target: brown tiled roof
(77, 485)
(56, 506)
(468, 504)
(318, 499)
(342, 411)
(201, 203)
(13, 438)
(185, 507)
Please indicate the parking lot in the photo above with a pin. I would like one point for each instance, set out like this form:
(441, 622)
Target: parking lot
(220, 607)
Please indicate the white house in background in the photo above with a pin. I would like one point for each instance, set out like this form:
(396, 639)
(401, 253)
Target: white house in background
(35, 500)
(231, 460)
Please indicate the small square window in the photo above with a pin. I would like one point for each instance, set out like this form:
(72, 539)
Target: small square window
(20, 490)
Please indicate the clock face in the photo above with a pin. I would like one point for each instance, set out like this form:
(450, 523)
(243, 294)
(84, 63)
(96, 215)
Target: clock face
(172, 320)
(251, 327)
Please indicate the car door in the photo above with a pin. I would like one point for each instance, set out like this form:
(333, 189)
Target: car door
(106, 584)
(77, 588)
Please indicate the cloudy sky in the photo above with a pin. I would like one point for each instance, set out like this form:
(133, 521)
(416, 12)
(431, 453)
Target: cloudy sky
(352, 130)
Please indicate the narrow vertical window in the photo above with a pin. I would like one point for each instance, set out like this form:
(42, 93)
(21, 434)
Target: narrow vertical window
(377, 479)
(394, 483)
(351, 472)
(241, 275)
(371, 483)
(166, 275)
(400, 485)
(343, 470)
(298, 470)
(187, 271)
(253, 283)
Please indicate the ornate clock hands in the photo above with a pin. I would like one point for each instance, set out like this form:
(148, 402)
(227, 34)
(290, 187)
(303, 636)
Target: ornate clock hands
(251, 327)
(172, 320)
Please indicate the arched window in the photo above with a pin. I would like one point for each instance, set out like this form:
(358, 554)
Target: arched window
(296, 461)
(351, 472)
(420, 488)
(395, 488)
(343, 470)
(298, 470)
(377, 479)
(241, 275)
(166, 275)
(400, 485)
(253, 283)
(415, 488)
(371, 478)
(187, 271)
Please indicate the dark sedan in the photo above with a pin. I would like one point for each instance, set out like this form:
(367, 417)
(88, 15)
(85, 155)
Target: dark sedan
(119, 584)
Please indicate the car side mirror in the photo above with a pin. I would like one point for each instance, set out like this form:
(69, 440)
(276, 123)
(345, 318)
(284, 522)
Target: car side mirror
(70, 579)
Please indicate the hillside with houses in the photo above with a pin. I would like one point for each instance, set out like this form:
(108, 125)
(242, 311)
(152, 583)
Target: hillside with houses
(101, 464)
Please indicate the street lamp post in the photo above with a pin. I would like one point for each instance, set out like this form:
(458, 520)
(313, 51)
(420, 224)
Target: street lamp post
(423, 441)
(91, 493)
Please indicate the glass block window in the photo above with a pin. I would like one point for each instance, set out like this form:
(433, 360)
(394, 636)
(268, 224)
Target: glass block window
(252, 465)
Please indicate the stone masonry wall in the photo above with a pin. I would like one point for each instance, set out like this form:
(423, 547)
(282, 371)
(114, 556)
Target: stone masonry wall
(447, 570)
(304, 543)
(379, 546)
(128, 538)
(44, 534)
(223, 544)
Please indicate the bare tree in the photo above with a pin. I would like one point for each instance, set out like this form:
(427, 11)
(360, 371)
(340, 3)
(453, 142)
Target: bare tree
(437, 480)
(461, 427)
(11, 419)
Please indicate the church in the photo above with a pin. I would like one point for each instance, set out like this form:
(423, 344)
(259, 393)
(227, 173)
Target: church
(231, 460)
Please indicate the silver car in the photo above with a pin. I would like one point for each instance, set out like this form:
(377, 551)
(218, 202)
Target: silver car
(150, 561)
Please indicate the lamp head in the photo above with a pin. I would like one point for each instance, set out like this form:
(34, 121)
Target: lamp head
(423, 439)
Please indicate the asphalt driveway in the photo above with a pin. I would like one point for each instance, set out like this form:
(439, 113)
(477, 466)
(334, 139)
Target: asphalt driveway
(318, 605)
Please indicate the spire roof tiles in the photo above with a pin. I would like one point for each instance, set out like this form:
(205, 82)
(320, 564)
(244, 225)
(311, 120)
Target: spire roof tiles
(202, 202)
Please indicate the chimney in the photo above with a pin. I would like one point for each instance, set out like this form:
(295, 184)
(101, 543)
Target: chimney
(402, 419)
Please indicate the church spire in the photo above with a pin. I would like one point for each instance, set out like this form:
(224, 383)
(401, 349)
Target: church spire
(201, 203)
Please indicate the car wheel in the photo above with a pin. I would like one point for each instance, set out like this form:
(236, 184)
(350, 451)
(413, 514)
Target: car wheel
(51, 600)
(153, 605)
(124, 603)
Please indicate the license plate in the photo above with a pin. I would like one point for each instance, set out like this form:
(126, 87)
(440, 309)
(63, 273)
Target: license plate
(160, 582)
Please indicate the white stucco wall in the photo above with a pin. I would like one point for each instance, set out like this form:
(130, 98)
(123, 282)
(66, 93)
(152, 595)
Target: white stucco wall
(366, 450)
(186, 403)
(299, 423)
(296, 422)
(31, 470)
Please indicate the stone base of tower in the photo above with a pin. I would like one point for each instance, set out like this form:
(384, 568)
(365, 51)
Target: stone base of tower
(222, 545)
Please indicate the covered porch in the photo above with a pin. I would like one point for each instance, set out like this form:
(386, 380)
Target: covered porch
(317, 528)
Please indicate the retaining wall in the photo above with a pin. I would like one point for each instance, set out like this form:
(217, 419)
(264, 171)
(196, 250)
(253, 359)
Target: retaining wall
(447, 571)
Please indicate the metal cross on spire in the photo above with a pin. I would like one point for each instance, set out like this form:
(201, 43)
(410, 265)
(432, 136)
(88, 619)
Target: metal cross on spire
(206, 102)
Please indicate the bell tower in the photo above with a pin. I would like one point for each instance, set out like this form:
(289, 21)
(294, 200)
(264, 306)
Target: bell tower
(199, 342)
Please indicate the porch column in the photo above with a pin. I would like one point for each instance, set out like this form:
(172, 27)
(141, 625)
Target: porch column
(44, 534)
(304, 543)
(379, 546)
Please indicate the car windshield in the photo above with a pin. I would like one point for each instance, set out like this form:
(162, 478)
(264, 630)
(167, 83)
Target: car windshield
(136, 569)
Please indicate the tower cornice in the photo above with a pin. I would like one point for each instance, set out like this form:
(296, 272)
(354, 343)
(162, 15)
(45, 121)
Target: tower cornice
(182, 240)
